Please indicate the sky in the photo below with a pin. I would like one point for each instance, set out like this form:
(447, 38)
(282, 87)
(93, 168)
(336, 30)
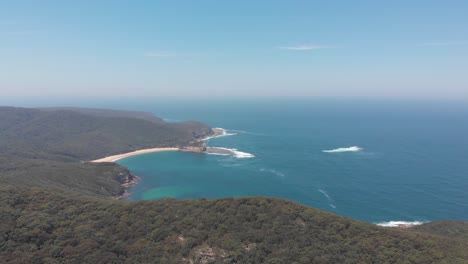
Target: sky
(357, 48)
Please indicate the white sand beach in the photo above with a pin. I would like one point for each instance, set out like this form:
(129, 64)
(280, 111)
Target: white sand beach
(217, 132)
(129, 154)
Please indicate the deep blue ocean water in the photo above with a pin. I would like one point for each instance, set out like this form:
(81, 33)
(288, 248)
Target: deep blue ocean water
(413, 165)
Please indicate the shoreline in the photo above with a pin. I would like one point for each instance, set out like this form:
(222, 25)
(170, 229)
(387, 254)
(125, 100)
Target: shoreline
(127, 186)
(401, 224)
(216, 132)
(117, 157)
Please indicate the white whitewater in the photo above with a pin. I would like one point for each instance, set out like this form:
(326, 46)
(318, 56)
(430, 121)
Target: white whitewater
(330, 201)
(224, 133)
(236, 153)
(400, 223)
(348, 149)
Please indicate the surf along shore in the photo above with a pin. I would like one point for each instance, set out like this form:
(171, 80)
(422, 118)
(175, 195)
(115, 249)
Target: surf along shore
(216, 132)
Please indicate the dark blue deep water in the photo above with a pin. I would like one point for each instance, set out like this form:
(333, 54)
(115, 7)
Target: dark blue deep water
(412, 166)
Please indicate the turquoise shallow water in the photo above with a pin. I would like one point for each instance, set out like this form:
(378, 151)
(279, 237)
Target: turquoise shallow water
(413, 165)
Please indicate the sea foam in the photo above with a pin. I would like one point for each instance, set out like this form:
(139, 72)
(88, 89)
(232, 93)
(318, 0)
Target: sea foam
(217, 154)
(400, 223)
(224, 133)
(330, 200)
(247, 132)
(238, 154)
(324, 193)
(349, 149)
(275, 172)
(232, 151)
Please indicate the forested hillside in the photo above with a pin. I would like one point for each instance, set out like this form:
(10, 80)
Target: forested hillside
(70, 134)
(39, 226)
(48, 147)
(452, 229)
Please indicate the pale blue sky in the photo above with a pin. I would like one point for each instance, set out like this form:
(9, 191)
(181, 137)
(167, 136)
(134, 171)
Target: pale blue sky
(234, 48)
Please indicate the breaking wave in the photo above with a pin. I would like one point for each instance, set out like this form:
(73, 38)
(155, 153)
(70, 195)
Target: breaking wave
(238, 154)
(224, 133)
(349, 149)
(217, 154)
(400, 223)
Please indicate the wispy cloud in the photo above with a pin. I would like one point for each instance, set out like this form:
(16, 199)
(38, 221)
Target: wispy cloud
(305, 47)
(447, 43)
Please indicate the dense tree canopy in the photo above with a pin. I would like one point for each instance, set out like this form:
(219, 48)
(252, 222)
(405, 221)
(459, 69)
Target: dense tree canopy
(48, 147)
(39, 226)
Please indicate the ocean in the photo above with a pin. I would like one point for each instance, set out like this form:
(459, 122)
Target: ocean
(374, 160)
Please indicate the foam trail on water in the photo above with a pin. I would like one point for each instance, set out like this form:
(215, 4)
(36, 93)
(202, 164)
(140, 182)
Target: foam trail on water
(275, 172)
(328, 198)
(217, 154)
(324, 193)
(349, 149)
(246, 132)
(400, 223)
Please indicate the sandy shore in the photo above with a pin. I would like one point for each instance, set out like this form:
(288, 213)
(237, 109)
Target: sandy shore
(217, 132)
(134, 153)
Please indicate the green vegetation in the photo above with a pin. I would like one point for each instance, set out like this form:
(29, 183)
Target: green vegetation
(39, 226)
(109, 113)
(55, 208)
(102, 179)
(452, 229)
(70, 135)
(47, 147)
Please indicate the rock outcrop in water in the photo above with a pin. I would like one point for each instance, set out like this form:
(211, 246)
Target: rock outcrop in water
(197, 148)
(127, 181)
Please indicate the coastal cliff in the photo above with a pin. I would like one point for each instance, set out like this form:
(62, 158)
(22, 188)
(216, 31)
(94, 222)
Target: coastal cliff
(127, 180)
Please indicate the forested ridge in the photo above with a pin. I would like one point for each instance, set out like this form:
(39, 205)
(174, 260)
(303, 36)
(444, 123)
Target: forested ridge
(55, 207)
(39, 226)
(49, 147)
